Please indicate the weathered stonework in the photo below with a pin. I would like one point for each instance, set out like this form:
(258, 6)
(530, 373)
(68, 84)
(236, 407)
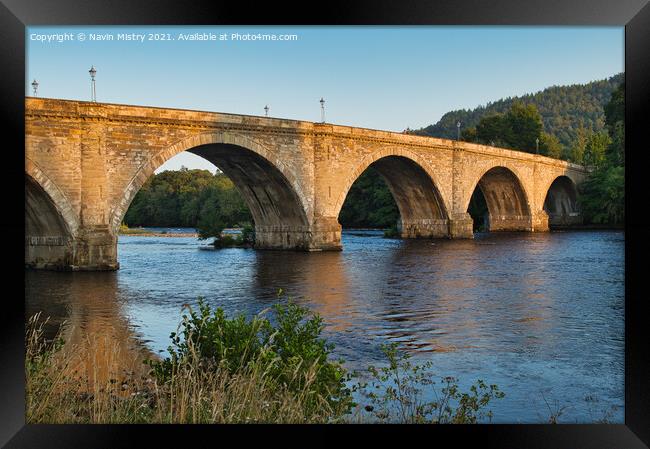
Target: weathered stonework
(86, 161)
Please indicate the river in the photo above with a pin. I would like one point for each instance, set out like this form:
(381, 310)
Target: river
(539, 314)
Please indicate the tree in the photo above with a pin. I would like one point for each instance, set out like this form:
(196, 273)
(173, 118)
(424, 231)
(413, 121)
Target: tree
(615, 123)
(222, 208)
(550, 146)
(493, 130)
(524, 126)
(602, 195)
(186, 198)
(596, 148)
(578, 146)
(602, 198)
(369, 203)
(518, 128)
(469, 135)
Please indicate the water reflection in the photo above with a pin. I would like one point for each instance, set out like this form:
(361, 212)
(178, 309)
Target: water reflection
(85, 310)
(322, 277)
(534, 313)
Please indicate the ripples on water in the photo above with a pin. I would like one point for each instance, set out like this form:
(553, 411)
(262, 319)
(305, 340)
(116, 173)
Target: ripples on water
(540, 315)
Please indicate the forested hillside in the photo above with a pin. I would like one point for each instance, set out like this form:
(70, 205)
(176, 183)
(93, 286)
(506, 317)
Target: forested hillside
(564, 110)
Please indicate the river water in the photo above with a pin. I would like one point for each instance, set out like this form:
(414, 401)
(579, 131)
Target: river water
(540, 315)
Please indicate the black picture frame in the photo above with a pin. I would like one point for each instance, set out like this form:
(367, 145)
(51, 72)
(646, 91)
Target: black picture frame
(15, 15)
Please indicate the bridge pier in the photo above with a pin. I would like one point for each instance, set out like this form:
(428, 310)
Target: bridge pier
(565, 220)
(326, 234)
(323, 235)
(510, 223)
(423, 228)
(281, 237)
(461, 226)
(540, 222)
(48, 252)
(95, 249)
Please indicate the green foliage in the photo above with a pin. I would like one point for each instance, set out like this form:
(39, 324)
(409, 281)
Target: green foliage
(596, 149)
(615, 122)
(615, 109)
(288, 349)
(248, 234)
(226, 241)
(369, 203)
(391, 232)
(524, 126)
(188, 198)
(550, 146)
(518, 128)
(578, 146)
(469, 135)
(245, 239)
(616, 151)
(493, 130)
(602, 196)
(397, 394)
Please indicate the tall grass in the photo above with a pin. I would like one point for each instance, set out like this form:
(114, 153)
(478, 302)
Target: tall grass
(59, 392)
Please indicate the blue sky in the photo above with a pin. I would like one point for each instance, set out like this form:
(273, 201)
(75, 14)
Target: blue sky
(375, 77)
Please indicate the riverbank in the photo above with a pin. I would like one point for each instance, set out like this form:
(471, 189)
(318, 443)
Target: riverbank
(145, 233)
(588, 227)
(250, 371)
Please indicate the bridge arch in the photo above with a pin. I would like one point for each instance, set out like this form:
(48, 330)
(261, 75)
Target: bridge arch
(422, 208)
(561, 203)
(508, 205)
(49, 228)
(38, 177)
(271, 191)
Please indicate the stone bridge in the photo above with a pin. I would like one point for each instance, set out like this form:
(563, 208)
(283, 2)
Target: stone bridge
(85, 162)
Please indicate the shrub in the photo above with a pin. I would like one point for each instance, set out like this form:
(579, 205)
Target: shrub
(391, 232)
(225, 241)
(602, 196)
(396, 394)
(248, 235)
(287, 349)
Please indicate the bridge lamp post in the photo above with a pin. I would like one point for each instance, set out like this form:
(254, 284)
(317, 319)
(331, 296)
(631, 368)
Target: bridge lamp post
(322, 110)
(93, 92)
(537, 145)
(458, 128)
(266, 110)
(35, 87)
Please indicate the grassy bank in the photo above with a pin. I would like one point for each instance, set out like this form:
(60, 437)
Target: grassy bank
(273, 368)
